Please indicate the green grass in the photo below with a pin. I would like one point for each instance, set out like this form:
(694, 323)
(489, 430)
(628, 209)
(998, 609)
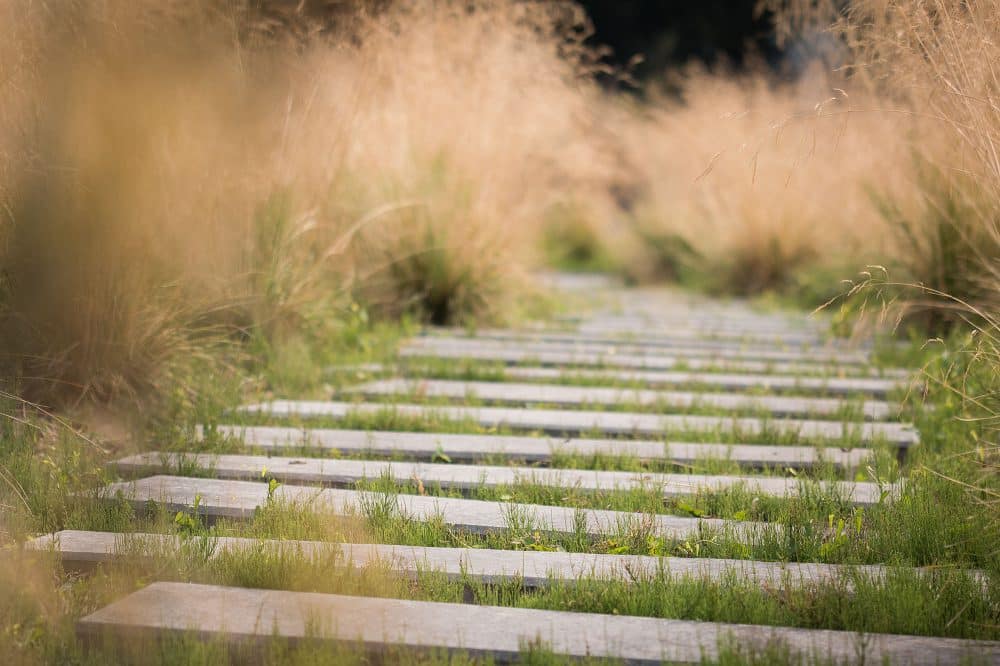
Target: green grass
(935, 523)
(389, 418)
(849, 412)
(802, 369)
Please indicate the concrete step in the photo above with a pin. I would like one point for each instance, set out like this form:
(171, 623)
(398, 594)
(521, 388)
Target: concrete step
(466, 448)
(838, 357)
(238, 500)
(81, 550)
(561, 395)
(877, 388)
(561, 422)
(665, 341)
(242, 615)
(328, 472)
(647, 362)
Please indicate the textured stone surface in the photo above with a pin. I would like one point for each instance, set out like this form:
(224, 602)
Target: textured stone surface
(726, 381)
(645, 362)
(242, 614)
(575, 396)
(328, 472)
(632, 349)
(425, 446)
(532, 568)
(238, 499)
(683, 339)
(610, 423)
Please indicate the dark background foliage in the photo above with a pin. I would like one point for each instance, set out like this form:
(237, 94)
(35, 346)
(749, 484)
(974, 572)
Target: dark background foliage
(668, 33)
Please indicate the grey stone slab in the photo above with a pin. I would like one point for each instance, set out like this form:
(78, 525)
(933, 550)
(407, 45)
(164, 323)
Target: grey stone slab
(878, 388)
(665, 342)
(708, 326)
(623, 308)
(238, 499)
(561, 395)
(426, 446)
(239, 614)
(648, 362)
(327, 472)
(586, 282)
(789, 336)
(82, 549)
(559, 422)
(781, 333)
(839, 357)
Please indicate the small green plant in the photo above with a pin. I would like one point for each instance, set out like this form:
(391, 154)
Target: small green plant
(272, 486)
(188, 523)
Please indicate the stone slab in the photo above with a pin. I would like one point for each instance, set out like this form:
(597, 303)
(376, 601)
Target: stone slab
(464, 448)
(238, 499)
(632, 349)
(648, 362)
(665, 341)
(712, 326)
(327, 472)
(81, 549)
(561, 395)
(560, 422)
(239, 614)
(877, 388)
(703, 317)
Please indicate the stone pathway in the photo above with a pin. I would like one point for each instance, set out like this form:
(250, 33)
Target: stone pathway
(650, 376)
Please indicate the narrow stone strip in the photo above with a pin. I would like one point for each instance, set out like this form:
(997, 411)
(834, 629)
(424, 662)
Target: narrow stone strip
(560, 422)
(632, 349)
(696, 313)
(515, 356)
(787, 336)
(533, 569)
(462, 448)
(238, 499)
(241, 615)
(700, 313)
(877, 388)
(561, 395)
(328, 472)
(705, 327)
(666, 341)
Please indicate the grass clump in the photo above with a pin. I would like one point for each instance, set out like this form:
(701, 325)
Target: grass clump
(169, 189)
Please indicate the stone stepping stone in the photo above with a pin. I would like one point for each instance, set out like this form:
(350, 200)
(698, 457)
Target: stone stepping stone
(710, 326)
(238, 499)
(707, 328)
(83, 550)
(587, 282)
(877, 388)
(647, 362)
(682, 312)
(631, 349)
(326, 472)
(560, 422)
(561, 395)
(679, 334)
(252, 615)
(666, 342)
(428, 446)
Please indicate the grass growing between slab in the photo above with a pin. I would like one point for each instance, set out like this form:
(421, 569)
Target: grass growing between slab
(935, 523)
(470, 370)
(814, 528)
(882, 464)
(436, 418)
(846, 602)
(801, 369)
(847, 410)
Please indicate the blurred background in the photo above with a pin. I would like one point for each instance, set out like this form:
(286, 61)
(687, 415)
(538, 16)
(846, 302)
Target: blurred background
(250, 183)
